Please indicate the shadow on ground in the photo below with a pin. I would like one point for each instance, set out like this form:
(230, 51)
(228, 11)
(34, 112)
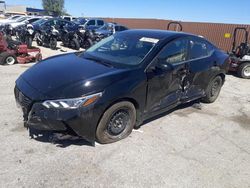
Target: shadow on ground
(59, 139)
(62, 140)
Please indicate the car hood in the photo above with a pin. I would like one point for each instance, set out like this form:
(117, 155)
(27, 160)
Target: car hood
(69, 75)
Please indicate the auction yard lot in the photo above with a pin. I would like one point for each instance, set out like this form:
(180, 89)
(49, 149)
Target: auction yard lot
(188, 147)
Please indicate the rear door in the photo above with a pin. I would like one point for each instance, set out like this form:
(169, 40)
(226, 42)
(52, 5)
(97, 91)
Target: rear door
(201, 62)
(166, 74)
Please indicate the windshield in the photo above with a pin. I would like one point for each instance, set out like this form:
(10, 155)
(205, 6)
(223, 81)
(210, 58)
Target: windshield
(122, 48)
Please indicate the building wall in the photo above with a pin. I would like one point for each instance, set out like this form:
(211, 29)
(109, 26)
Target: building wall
(212, 31)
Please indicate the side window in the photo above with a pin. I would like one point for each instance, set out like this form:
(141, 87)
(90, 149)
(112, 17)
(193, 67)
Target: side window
(91, 22)
(122, 28)
(100, 22)
(174, 52)
(200, 48)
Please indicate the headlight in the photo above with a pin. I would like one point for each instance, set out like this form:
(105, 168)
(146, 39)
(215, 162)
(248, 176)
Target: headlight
(72, 103)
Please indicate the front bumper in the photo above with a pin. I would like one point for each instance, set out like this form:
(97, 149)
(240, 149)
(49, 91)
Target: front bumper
(82, 121)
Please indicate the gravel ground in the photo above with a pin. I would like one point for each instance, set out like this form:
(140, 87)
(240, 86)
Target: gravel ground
(188, 147)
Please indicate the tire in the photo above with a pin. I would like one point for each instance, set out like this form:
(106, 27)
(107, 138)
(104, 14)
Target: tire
(87, 44)
(53, 43)
(244, 70)
(213, 90)
(74, 44)
(29, 41)
(116, 123)
(7, 59)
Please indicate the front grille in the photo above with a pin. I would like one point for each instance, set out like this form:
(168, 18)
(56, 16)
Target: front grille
(24, 101)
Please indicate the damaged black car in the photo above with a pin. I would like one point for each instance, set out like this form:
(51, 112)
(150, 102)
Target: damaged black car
(103, 93)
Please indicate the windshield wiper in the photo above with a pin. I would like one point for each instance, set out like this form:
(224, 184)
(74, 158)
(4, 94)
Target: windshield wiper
(99, 61)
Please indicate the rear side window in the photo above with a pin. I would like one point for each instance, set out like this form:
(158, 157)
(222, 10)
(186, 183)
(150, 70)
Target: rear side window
(100, 22)
(91, 22)
(200, 48)
(174, 52)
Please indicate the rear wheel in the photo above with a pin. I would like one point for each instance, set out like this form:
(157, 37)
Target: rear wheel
(213, 90)
(116, 123)
(53, 43)
(7, 59)
(244, 70)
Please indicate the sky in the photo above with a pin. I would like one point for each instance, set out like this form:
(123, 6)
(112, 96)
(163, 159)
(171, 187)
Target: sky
(217, 11)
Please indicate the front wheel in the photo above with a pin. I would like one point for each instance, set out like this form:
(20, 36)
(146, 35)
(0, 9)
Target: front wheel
(116, 123)
(213, 90)
(244, 70)
(53, 43)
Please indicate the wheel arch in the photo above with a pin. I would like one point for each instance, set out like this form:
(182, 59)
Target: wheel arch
(128, 99)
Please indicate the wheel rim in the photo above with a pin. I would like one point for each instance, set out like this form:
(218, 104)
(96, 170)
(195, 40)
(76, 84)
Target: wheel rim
(118, 122)
(246, 71)
(215, 88)
(10, 60)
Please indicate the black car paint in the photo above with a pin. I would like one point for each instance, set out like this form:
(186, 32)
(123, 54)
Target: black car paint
(149, 88)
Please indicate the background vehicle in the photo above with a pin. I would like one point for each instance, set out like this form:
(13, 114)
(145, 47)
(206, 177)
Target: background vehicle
(240, 55)
(92, 24)
(15, 17)
(47, 37)
(106, 91)
(12, 52)
(57, 23)
(27, 21)
(18, 20)
(108, 29)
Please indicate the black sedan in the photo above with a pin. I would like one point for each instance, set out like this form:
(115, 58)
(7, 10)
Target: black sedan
(106, 91)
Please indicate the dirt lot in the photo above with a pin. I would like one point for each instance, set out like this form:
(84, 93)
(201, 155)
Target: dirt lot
(189, 147)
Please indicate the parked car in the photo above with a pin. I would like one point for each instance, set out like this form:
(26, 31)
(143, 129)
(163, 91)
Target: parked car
(20, 19)
(94, 24)
(58, 23)
(109, 29)
(106, 91)
(10, 18)
(28, 20)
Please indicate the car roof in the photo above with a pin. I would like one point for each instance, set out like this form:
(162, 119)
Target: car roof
(159, 34)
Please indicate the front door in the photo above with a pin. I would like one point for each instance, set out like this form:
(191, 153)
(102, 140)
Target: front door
(166, 76)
